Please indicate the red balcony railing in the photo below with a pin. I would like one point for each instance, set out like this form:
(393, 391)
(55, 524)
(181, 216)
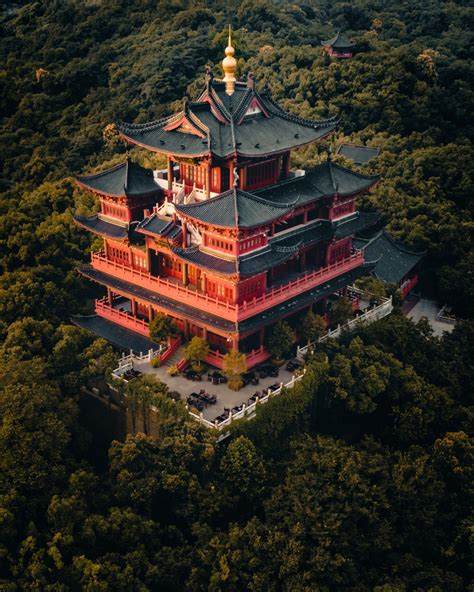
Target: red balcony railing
(226, 310)
(121, 318)
(255, 357)
(173, 347)
(301, 284)
(164, 287)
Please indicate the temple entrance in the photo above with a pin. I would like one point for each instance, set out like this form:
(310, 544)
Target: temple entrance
(249, 343)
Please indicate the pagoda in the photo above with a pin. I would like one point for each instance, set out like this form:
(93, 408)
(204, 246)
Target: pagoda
(228, 239)
(339, 46)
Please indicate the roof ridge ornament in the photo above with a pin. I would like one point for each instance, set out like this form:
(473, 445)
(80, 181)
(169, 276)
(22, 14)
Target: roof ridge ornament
(250, 80)
(209, 77)
(229, 65)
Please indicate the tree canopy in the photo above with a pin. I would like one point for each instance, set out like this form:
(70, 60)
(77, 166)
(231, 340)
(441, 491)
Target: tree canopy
(360, 477)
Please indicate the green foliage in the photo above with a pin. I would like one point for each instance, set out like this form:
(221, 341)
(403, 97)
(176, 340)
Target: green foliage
(341, 311)
(196, 351)
(155, 362)
(234, 365)
(173, 371)
(162, 328)
(280, 340)
(335, 483)
(374, 289)
(312, 328)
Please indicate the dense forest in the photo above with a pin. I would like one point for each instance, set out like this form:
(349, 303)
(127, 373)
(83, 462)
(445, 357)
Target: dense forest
(361, 478)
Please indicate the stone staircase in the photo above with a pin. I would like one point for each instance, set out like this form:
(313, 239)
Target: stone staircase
(175, 358)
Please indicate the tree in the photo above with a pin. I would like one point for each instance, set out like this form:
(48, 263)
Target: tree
(142, 393)
(341, 311)
(234, 365)
(162, 328)
(27, 338)
(374, 289)
(313, 327)
(281, 340)
(196, 352)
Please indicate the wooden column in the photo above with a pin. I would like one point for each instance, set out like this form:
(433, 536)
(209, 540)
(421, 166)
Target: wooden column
(242, 177)
(134, 307)
(150, 313)
(261, 335)
(208, 180)
(287, 164)
(110, 296)
(185, 274)
(170, 173)
(185, 234)
(303, 261)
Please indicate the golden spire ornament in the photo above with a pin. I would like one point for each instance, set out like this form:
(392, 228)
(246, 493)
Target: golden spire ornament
(229, 65)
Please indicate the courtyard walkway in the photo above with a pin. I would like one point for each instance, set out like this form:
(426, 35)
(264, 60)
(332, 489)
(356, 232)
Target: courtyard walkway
(225, 397)
(429, 309)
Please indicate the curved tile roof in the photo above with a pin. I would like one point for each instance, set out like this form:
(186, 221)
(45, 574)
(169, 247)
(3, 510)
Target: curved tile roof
(330, 178)
(394, 259)
(359, 154)
(322, 181)
(245, 266)
(235, 209)
(223, 129)
(102, 227)
(338, 42)
(124, 179)
(357, 222)
(121, 337)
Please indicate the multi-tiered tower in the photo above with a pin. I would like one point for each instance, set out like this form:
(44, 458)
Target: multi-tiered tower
(227, 240)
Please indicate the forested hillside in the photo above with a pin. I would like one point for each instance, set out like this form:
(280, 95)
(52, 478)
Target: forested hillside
(361, 478)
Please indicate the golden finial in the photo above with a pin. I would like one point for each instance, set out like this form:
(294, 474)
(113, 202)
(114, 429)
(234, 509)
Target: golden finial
(229, 65)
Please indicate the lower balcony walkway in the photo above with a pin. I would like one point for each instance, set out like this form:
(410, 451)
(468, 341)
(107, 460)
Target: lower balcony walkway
(121, 337)
(293, 303)
(174, 307)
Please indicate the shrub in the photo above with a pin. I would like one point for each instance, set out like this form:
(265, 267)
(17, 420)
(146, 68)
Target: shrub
(155, 362)
(173, 371)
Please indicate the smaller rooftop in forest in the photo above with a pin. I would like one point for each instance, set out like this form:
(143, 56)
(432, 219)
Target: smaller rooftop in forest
(339, 42)
(122, 180)
(358, 154)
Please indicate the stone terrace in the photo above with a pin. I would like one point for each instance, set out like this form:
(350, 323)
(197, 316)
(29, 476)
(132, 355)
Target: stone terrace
(225, 397)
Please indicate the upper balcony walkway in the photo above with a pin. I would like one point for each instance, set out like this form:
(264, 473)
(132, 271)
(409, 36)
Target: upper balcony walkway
(225, 309)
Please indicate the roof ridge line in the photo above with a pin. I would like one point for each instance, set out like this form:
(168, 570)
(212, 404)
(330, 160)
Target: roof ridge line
(296, 118)
(124, 126)
(357, 173)
(101, 173)
(401, 246)
(262, 200)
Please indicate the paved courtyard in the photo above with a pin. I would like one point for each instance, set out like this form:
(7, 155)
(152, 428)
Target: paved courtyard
(225, 397)
(429, 309)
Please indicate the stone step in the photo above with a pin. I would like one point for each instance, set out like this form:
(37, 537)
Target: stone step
(175, 358)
